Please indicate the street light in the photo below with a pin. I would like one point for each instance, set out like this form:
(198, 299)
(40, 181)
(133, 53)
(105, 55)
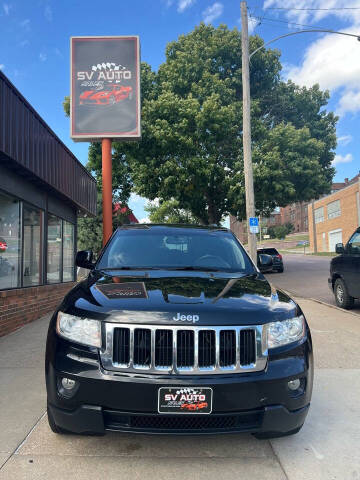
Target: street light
(316, 30)
(248, 170)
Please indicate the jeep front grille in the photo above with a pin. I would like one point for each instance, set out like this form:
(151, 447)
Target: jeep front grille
(183, 349)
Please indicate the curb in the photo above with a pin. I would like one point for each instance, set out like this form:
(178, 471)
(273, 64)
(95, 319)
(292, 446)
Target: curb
(322, 303)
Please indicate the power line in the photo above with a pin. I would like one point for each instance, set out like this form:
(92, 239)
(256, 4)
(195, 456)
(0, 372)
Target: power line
(310, 9)
(260, 19)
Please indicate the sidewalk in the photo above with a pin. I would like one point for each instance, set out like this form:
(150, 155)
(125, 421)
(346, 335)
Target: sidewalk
(326, 448)
(22, 384)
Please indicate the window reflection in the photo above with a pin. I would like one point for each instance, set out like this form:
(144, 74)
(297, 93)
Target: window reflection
(9, 242)
(54, 249)
(32, 246)
(68, 252)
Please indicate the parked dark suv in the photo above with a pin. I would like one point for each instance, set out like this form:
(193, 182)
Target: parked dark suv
(344, 278)
(175, 330)
(278, 265)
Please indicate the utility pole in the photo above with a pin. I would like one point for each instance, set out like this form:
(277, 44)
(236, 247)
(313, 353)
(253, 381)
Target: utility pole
(248, 170)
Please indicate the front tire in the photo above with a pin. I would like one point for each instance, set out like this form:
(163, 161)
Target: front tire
(342, 297)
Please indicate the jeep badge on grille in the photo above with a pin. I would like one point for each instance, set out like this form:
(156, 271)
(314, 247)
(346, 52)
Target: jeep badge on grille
(186, 318)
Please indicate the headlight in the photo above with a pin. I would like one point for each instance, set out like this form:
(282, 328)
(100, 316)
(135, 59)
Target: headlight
(79, 330)
(286, 331)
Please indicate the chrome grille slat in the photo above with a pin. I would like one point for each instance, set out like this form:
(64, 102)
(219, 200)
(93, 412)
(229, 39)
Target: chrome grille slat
(242, 350)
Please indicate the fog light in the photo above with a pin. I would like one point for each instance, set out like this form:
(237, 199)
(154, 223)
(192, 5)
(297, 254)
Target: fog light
(67, 387)
(294, 384)
(68, 383)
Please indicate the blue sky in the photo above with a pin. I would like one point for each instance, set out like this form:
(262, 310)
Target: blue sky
(34, 52)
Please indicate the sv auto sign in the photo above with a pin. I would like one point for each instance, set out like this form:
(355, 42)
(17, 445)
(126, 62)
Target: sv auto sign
(105, 88)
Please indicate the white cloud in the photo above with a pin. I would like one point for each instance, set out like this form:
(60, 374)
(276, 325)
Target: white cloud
(331, 60)
(42, 56)
(2, 66)
(184, 4)
(342, 159)
(302, 9)
(48, 13)
(345, 139)
(135, 198)
(144, 220)
(212, 12)
(252, 24)
(6, 8)
(349, 102)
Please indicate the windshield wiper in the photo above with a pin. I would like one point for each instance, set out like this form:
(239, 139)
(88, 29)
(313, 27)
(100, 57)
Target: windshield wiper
(192, 268)
(129, 268)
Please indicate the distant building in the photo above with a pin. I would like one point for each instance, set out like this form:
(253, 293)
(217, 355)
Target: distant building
(295, 213)
(336, 216)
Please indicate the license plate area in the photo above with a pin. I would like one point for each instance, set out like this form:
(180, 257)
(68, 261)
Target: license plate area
(185, 400)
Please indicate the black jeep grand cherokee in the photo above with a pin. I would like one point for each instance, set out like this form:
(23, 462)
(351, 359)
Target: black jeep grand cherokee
(176, 331)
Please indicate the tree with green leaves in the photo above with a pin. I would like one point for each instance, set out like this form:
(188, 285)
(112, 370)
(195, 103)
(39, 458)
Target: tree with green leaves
(168, 211)
(192, 130)
(191, 148)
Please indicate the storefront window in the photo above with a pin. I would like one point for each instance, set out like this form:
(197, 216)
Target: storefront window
(32, 246)
(54, 250)
(68, 252)
(9, 242)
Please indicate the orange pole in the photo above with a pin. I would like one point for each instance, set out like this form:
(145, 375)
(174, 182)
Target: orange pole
(107, 188)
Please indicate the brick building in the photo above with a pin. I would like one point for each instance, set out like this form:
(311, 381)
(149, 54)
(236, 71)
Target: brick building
(336, 216)
(295, 213)
(43, 189)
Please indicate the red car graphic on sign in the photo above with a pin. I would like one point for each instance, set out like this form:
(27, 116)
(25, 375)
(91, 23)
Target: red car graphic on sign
(194, 406)
(3, 245)
(108, 96)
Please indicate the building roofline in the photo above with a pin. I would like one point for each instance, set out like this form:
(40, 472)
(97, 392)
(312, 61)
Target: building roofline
(335, 193)
(45, 125)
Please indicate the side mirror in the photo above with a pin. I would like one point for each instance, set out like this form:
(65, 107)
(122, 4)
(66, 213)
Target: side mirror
(339, 248)
(84, 259)
(265, 262)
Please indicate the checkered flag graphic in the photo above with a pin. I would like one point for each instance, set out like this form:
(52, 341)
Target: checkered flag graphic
(108, 66)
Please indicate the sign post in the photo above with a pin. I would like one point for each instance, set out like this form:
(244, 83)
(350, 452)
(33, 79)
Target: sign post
(106, 158)
(105, 100)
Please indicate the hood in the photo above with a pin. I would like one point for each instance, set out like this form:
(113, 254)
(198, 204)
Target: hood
(161, 297)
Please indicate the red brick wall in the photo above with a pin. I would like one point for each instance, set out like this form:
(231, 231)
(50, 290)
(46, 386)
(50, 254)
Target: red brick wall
(23, 305)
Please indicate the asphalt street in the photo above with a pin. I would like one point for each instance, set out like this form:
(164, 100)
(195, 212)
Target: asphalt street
(306, 276)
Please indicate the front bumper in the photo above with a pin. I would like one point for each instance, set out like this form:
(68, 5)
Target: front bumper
(95, 419)
(251, 402)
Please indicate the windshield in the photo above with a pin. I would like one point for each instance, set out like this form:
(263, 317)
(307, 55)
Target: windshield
(175, 248)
